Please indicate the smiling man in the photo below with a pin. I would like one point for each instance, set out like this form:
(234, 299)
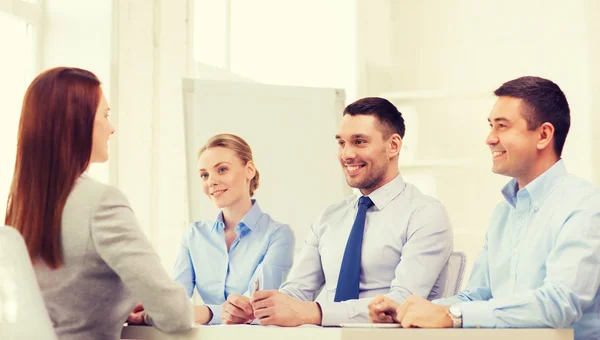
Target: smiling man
(388, 238)
(540, 264)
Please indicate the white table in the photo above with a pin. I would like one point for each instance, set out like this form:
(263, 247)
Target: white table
(252, 332)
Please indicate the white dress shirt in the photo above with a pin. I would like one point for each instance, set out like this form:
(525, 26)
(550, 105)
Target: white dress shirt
(406, 246)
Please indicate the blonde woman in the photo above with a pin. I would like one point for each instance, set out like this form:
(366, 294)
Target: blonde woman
(223, 258)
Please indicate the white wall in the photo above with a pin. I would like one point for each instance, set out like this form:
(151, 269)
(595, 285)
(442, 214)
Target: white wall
(479, 45)
(593, 26)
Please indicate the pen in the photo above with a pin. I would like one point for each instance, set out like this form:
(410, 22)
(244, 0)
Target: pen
(256, 285)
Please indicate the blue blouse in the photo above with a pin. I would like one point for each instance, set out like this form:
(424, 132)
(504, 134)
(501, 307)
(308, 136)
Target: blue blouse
(263, 249)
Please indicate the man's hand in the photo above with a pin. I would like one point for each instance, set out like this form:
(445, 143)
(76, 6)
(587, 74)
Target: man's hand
(418, 312)
(272, 307)
(236, 310)
(136, 316)
(383, 310)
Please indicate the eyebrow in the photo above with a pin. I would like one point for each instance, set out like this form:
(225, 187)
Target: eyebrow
(499, 119)
(215, 166)
(356, 136)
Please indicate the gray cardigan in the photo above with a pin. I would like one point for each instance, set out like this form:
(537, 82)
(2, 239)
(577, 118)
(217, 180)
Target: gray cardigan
(109, 265)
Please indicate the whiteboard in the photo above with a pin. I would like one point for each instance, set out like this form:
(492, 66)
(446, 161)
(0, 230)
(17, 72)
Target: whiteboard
(291, 131)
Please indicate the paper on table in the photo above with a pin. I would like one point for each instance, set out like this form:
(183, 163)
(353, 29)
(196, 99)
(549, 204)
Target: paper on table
(371, 325)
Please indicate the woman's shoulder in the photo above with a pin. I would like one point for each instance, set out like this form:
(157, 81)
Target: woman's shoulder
(90, 201)
(92, 191)
(273, 226)
(199, 228)
(202, 225)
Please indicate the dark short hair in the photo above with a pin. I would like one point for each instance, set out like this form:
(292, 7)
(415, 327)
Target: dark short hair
(544, 102)
(387, 114)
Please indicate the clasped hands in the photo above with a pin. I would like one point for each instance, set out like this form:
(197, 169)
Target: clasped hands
(414, 312)
(270, 307)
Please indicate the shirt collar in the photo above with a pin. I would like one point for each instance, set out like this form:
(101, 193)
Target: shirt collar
(385, 194)
(249, 221)
(539, 188)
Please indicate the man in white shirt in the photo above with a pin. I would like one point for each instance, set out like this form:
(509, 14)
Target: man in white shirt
(388, 239)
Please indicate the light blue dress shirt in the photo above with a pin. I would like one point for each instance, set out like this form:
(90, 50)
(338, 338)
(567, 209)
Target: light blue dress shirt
(263, 249)
(406, 245)
(540, 265)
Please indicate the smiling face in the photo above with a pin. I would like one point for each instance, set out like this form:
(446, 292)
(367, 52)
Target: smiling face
(225, 179)
(514, 147)
(102, 131)
(368, 159)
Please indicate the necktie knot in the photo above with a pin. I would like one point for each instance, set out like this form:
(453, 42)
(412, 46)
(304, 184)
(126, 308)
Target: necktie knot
(366, 201)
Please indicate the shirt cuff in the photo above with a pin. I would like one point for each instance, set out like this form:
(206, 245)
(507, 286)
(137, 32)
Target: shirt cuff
(216, 314)
(477, 314)
(147, 319)
(336, 313)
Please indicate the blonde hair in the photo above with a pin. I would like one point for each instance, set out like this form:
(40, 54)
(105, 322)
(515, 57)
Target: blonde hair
(237, 145)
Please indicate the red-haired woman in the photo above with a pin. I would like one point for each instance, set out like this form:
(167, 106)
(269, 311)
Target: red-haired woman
(92, 261)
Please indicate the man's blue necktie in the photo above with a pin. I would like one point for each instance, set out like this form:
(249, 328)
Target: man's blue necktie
(349, 278)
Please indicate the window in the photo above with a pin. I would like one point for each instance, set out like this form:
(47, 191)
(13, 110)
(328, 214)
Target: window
(245, 38)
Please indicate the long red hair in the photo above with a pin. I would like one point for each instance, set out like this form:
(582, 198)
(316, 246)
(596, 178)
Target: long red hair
(53, 149)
